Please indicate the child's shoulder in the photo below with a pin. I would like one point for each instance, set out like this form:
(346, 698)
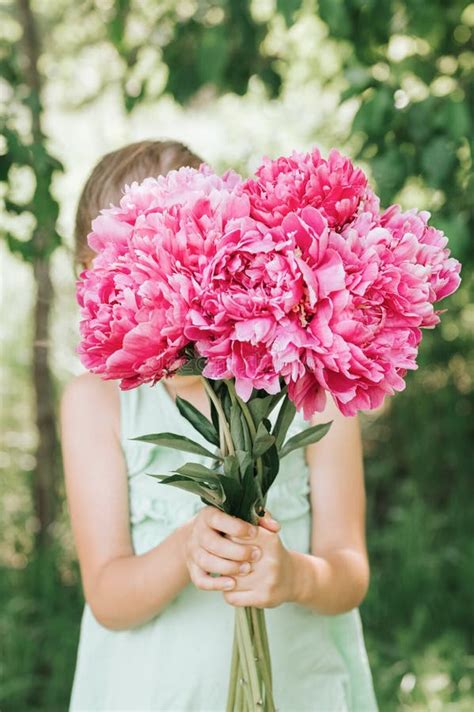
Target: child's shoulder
(89, 396)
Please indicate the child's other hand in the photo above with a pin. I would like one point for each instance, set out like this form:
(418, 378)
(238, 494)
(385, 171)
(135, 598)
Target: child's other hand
(269, 582)
(208, 548)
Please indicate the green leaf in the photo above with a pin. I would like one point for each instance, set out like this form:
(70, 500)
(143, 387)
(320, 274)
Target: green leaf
(390, 171)
(233, 494)
(419, 120)
(245, 461)
(198, 472)
(197, 420)
(260, 407)
(263, 440)
(226, 404)
(454, 118)
(285, 417)
(374, 114)
(287, 8)
(208, 482)
(237, 427)
(214, 416)
(177, 442)
(231, 466)
(271, 466)
(305, 438)
(276, 399)
(335, 14)
(250, 496)
(438, 160)
(213, 496)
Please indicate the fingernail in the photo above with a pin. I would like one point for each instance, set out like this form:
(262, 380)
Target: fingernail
(229, 584)
(245, 568)
(255, 553)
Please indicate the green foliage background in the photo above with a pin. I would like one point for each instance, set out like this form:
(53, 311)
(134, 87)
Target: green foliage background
(390, 83)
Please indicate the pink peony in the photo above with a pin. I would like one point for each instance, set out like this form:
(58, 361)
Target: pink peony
(250, 283)
(290, 183)
(135, 297)
(431, 252)
(361, 335)
(293, 276)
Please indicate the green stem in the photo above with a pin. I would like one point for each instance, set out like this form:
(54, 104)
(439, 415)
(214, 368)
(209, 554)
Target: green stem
(248, 653)
(250, 680)
(222, 418)
(263, 651)
(239, 698)
(222, 440)
(266, 657)
(253, 432)
(234, 681)
(243, 407)
(256, 648)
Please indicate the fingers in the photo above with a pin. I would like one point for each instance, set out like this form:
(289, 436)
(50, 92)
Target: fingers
(206, 582)
(212, 542)
(244, 598)
(227, 524)
(209, 550)
(210, 563)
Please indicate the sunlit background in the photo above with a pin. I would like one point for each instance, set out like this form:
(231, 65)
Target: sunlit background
(387, 82)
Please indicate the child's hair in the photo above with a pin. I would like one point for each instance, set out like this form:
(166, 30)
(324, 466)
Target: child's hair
(133, 162)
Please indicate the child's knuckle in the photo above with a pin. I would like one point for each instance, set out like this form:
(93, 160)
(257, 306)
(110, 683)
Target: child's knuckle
(215, 519)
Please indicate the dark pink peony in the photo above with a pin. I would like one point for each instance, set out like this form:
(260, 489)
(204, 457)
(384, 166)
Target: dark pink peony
(290, 183)
(251, 282)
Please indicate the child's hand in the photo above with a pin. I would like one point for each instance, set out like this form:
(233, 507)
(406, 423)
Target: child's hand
(207, 548)
(269, 583)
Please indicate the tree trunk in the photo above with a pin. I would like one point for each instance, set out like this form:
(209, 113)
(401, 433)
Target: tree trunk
(47, 451)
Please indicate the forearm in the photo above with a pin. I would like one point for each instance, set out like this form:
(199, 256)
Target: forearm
(329, 585)
(130, 590)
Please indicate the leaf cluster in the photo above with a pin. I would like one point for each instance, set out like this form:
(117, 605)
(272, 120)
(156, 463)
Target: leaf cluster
(245, 464)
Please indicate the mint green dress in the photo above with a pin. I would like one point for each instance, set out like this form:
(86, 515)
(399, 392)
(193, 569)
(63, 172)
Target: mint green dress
(180, 660)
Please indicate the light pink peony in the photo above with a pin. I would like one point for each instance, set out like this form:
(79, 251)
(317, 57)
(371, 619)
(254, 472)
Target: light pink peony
(431, 251)
(135, 297)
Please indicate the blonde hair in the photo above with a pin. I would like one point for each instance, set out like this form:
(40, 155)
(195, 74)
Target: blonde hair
(133, 162)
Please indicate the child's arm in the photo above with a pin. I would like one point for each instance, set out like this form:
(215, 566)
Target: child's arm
(335, 577)
(125, 590)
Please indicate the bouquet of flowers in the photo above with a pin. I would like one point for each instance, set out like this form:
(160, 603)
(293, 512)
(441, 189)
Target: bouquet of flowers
(278, 290)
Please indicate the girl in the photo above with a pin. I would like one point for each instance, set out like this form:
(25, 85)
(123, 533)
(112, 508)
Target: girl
(157, 628)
